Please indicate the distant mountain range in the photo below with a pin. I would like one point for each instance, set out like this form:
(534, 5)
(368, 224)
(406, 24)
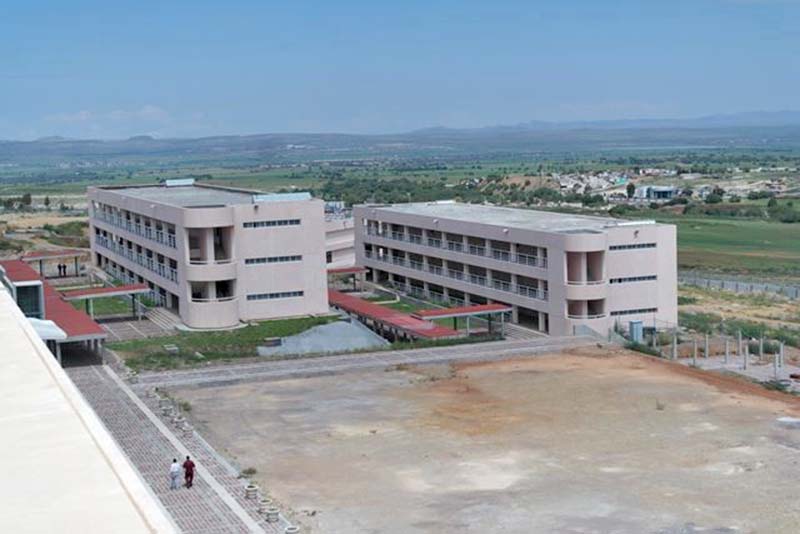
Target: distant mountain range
(731, 120)
(762, 130)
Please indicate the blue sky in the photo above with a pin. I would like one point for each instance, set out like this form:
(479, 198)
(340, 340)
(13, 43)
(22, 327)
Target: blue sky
(108, 69)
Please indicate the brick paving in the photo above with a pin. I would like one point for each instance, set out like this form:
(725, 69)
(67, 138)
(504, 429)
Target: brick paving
(216, 504)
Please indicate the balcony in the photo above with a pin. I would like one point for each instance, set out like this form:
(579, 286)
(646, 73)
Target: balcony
(458, 246)
(473, 279)
(165, 238)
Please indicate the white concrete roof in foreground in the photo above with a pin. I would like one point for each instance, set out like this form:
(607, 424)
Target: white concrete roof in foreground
(542, 221)
(60, 470)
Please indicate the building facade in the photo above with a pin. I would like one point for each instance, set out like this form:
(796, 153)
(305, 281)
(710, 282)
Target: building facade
(217, 256)
(559, 272)
(339, 241)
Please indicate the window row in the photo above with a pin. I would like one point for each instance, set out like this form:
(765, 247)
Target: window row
(273, 296)
(272, 259)
(277, 222)
(632, 279)
(632, 246)
(633, 312)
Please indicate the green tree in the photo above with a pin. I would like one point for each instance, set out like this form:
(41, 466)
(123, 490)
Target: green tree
(47, 202)
(630, 189)
(26, 199)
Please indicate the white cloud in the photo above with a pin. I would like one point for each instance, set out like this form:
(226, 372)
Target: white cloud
(148, 112)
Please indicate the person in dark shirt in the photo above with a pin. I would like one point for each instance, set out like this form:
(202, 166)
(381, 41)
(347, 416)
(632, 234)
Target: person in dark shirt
(188, 472)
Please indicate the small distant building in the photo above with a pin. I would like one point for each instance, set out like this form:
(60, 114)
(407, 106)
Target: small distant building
(656, 192)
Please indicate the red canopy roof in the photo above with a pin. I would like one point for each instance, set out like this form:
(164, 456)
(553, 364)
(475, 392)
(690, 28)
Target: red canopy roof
(415, 327)
(75, 323)
(477, 309)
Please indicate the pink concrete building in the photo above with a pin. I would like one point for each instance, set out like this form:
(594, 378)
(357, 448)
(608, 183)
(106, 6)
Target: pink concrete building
(559, 272)
(216, 256)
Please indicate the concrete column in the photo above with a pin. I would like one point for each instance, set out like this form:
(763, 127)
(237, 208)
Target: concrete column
(542, 326)
(705, 348)
(674, 355)
(780, 355)
(91, 307)
(739, 343)
(208, 235)
(466, 299)
(727, 350)
(514, 314)
(425, 289)
(58, 352)
(775, 365)
(694, 352)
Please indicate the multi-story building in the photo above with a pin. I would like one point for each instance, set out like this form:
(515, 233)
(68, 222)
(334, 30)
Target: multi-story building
(557, 271)
(339, 241)
(215, 255)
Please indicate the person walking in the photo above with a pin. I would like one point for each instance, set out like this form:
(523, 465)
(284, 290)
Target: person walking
(188, 472)
(174, 474)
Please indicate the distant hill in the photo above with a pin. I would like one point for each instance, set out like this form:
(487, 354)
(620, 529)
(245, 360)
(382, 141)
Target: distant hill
(762, 130)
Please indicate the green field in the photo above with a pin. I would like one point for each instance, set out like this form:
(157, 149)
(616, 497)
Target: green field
(740, 246)
(106, 306)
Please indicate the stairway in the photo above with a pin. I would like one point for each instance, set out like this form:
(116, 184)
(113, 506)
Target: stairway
(163, 318)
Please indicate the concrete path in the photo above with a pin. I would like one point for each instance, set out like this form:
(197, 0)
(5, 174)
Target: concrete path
(216, 503)
(275, 370)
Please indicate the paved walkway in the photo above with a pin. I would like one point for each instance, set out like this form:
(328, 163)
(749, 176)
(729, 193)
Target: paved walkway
(216, 503)
(275, 370)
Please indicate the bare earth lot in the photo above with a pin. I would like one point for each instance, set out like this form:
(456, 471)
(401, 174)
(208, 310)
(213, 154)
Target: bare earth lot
(591, 441)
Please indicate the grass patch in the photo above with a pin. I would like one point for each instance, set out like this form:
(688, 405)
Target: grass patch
(70, 234)
(149, 354)
(106, 306)
(641, 347)
(682, 300)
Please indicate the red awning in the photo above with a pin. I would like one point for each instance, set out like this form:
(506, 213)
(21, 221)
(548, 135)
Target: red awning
(36, 255)
(411, 325)
(347, 270)
(76, 324)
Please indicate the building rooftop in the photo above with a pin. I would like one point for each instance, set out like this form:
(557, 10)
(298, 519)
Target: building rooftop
(543, 221)
(75, 323)
(62, 471)
(185, 194)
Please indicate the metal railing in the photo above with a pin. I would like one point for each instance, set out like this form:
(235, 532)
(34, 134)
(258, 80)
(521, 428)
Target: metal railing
(165, 238)
(161, 269)
(474, 279)
(457, 246)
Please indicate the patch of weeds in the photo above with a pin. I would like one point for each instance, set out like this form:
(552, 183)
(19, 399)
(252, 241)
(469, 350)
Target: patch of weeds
(249, 471)
(644, 349)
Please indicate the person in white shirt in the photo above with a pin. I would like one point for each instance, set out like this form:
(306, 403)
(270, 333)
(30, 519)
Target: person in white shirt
(174, 474)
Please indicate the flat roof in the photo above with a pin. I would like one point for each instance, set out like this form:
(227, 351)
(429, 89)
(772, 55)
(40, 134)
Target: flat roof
(462, 311)
(35, 255)
(110, 291)
(543, 221)
(196, 196)
(62, 470)
(75, 323)
(401, 321)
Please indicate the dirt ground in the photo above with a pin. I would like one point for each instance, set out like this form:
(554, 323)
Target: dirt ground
(774, 310)
(586, 442)
(36, 220)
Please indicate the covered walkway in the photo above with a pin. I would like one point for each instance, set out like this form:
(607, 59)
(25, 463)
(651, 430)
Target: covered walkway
(389, 322)
(89, 294)
(478, 310)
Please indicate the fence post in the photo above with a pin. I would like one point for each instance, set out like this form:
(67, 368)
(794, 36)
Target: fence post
(781, 363)
(761, 348)
(727, 350)
(694, 352)
(775, 357)
(739, 341)
(675, 344)
(705, 348)
(746, 355)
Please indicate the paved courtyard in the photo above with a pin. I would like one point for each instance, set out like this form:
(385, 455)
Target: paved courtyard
(216, 503)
